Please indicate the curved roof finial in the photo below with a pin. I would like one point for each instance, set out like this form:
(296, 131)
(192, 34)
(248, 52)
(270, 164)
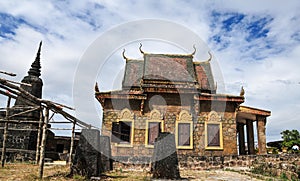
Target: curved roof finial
(123, 53)
(35, 69)
(96, 87)
(194, 47)
(210, 56)
(141, 49)
(242, 93)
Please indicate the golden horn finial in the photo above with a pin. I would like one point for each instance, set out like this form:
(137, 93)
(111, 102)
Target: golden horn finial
(96, 87)
(141, 48)
(123, 53)
(242, 93)
(210, 56)
(194, 47)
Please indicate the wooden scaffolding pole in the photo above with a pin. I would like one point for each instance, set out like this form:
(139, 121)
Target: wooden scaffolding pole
(43, 144)
(38, 142)
(72, 143)
(3, 156)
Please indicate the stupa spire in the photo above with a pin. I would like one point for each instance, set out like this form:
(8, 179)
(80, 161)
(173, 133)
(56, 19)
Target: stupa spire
(35, 69)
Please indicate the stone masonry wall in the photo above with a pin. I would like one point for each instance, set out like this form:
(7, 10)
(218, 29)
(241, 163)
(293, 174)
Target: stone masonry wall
(289, 164)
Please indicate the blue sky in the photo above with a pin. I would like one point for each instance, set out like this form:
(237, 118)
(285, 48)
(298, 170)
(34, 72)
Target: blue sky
(256, 44)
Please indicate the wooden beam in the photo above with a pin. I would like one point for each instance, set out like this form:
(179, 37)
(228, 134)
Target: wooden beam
(19, 121)
(57, 122)
(20, 91)
(3, 156)
(19, 129)
(43, 144)
(72, 143)
(72, 118)
(16, 93)
(8, 94)
(7, 73)
(19, 83)
(38, 141)
(63, 128)
(24, 112)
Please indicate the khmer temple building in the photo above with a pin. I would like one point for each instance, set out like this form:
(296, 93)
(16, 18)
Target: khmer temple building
(178, 94)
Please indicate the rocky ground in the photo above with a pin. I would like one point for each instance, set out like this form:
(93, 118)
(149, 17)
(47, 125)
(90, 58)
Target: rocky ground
(59, 172)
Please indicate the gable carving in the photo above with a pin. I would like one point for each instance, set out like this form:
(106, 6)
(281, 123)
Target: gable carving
(155, 115)
(126, 114)
(185, 116)
(214, 117)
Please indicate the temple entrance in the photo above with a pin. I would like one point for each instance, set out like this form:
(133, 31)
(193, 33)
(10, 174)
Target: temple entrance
(245, 118)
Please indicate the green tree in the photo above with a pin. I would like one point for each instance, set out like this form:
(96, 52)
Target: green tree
(290, 138)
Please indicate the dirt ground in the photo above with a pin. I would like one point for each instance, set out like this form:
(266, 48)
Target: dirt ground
(28, 171)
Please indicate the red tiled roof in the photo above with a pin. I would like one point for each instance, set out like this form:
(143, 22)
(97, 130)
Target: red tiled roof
(204, 75)
(133, 73)
(169, 68)
(165, 70)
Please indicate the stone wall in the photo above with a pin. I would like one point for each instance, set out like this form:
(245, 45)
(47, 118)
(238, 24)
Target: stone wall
(20, 139)
(272, 165)
(285, 166)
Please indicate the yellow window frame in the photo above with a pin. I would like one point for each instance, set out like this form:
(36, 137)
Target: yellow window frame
(191, 135)
(126, 116)
(147, 131)
(220, 136)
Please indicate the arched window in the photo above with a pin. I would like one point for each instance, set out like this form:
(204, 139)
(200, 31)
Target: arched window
(154, 125)
(184, 131)
(213, 132)
(123, 129)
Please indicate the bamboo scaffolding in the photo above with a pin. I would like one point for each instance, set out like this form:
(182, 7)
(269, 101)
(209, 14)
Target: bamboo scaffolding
(19, 83)
(19, 107)
(8, 94)
(24, 112)
(7, 73)
(12, 91)
(38, 142)
(72, 143)
(19, 129)
(62, 122)
(3, 156)
(43, 144)
(19, 121)
(63, 129)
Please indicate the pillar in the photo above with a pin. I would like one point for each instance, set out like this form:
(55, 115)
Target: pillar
(261, 135)
(250, 137)
(240, 128)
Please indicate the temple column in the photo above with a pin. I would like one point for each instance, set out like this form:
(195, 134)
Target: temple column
(240, 129)
(261, 134)
(250, 137)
